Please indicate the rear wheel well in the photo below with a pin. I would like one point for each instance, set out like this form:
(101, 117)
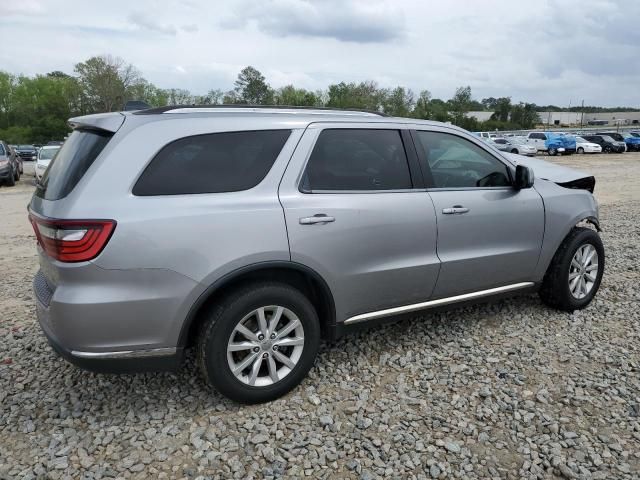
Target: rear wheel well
(300, 278)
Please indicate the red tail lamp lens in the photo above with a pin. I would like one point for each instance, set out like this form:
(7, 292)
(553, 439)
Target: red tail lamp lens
(72, 240)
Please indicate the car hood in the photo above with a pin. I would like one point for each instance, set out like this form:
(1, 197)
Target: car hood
(547, 170)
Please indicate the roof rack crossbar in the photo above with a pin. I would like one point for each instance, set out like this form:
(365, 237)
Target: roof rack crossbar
(168, 108)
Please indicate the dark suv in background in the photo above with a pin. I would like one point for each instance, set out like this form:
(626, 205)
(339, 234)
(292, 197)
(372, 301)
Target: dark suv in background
(608, 144)
(27, 152)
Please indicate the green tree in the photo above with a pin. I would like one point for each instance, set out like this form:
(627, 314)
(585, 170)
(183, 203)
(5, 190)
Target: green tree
(398, 102)
(290, 95)
(364, 95)
(524, 115)
(460, 105)
(502, 109)
(107, 82)
(251, 87)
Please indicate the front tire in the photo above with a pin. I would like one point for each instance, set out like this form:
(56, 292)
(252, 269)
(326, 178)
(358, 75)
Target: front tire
(580, 151)
(575, 273)
(607, 149)
(259, 342)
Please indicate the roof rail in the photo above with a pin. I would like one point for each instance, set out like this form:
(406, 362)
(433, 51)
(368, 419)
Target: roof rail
(153, 111)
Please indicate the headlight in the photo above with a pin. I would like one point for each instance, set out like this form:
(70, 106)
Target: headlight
(33, 157)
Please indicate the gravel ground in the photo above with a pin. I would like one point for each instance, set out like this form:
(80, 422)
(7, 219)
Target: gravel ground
(508, 390)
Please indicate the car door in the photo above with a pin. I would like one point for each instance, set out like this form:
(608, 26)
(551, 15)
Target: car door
(489, 234)
(357, 213)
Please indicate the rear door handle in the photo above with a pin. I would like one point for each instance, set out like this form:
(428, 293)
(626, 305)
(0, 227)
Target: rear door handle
(455, 210)
(318, 218)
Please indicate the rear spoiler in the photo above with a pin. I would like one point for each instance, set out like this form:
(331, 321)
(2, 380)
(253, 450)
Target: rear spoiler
(109, 122)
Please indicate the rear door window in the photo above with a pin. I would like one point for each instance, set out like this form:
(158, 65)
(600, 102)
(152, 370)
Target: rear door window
(357, 159)
(212, 163)
(75, 157)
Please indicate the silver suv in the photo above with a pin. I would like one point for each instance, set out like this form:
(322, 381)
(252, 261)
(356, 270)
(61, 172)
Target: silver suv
(253, 233)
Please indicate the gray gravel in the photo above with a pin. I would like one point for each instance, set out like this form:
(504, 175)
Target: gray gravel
(508, 390)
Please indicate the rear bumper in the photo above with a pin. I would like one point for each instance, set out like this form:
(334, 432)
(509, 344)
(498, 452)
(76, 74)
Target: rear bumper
(135, 363)
(6, 172)
(113, 321)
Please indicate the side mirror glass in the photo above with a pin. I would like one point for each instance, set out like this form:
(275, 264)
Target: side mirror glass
(524, 177)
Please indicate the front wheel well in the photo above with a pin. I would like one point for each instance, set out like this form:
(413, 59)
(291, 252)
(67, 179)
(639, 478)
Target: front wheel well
(297, 276)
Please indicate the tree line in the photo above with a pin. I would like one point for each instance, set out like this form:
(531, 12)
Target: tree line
(36, 109)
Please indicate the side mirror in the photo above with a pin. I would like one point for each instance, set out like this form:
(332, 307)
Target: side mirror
(524, 177)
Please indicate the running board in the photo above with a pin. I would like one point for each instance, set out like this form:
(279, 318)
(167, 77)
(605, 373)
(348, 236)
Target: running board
(436, 303)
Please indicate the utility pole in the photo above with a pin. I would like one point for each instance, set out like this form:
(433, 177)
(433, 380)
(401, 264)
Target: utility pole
(582, 115)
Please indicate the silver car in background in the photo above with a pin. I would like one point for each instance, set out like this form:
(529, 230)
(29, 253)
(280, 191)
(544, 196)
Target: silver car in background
(515, 145)
(45, 155)
(250, 234)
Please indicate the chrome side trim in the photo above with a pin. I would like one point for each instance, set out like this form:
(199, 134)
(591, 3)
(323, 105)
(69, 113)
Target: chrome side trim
(436, 303)
(153, 352)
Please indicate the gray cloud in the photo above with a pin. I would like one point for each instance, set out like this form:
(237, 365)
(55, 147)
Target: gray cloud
(145, 22)
(356, 21)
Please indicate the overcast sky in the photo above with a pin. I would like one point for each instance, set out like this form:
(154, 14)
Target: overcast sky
(542, 51)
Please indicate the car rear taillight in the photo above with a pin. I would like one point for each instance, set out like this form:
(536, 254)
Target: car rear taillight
(72, 240)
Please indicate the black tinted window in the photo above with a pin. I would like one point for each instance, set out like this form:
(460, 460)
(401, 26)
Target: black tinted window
(458, 163)
(357, 159)
(2, 152)
(212, 163)
(72, 161)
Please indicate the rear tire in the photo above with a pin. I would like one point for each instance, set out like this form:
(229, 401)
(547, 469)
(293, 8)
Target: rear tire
(552, 152)
(563, 286)
(275, 361)
(607, 149)
(11, 181)
(515, 150)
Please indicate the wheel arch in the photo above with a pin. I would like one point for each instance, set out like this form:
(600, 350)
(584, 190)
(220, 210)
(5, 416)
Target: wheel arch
(299, 276)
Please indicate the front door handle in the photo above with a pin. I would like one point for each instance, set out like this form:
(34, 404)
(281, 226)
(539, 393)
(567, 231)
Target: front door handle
(318, 218)
(455, 210)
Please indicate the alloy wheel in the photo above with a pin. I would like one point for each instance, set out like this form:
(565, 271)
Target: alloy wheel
(583, 271)
(265, 346)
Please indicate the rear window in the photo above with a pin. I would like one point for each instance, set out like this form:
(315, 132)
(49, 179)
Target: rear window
(212, 163)
(357, 159)
(71, 162)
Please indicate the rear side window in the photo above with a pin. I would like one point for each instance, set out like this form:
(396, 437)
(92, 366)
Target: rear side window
(74, 158)
(357, 159)
(212, 163)
(2, 152)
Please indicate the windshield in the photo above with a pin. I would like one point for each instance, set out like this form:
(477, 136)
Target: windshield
(581, 140)
(635, 134)
(26, 147)
(607, 138)
(47, 153)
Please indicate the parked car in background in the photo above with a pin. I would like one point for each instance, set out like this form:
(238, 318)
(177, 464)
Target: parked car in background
(585, 146)
(18, 159)
(620, 137)
(552, 143)
(514, 145)
(28, 153)
(632, 141)
(55, 142)
(253, 233)
(9, 165)
(45, 155)
(608, 144)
